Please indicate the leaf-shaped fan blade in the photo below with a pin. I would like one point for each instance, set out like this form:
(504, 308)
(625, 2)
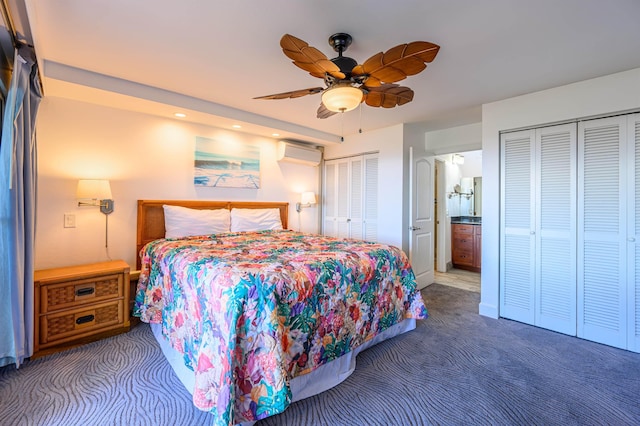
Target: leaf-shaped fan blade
(388, 96)
(397, 63)
(323, 112)
(309, 58)
(293, 94)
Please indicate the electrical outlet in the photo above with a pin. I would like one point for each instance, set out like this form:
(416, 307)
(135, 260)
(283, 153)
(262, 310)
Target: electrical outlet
(69, 220)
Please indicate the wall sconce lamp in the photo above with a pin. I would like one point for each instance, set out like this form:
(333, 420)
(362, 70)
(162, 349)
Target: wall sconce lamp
(307, 199)
(96, 193)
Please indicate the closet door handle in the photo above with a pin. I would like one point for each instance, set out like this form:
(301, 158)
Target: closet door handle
(631, 239)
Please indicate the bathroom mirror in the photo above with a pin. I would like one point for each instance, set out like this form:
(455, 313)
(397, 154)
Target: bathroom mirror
(466, 197)
(477, 196)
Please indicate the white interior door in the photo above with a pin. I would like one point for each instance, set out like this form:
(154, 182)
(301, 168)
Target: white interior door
(421, 221)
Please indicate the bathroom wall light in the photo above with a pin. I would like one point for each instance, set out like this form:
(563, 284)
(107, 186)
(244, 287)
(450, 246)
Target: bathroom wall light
(457, 159)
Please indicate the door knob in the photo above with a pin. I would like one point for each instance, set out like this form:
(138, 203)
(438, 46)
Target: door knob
(414, 228)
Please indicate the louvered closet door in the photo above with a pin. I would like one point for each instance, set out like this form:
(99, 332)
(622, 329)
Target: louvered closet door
(329, 224)
(517, 242)
(602, 240)
(633, 237)
(356, 196)
(555, 230)
(370, 224)
(337, 181)
(343, 185)
(336, 201)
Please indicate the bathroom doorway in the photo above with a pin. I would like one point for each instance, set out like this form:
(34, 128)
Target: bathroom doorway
(458, 195)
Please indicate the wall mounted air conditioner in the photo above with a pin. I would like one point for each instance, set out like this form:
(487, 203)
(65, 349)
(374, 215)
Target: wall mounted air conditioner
(296, 153)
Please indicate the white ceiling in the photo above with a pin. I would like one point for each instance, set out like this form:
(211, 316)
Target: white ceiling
(212, 57)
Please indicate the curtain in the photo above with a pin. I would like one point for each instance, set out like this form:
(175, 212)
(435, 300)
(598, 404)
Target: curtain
(18, 209)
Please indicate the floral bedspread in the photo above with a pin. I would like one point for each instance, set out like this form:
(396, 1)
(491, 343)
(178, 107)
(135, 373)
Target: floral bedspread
(249, 311)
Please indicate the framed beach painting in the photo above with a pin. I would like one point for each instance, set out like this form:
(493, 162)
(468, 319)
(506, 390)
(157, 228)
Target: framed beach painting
(226, 164)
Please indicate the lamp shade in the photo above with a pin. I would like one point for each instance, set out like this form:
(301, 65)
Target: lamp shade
(94, 189)
(342, 98)
(308, 198)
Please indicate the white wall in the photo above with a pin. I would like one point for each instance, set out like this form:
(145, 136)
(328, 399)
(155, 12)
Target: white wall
(144, 157)
(454, 139)
(472, 166)
(609, 94)
(388, 142)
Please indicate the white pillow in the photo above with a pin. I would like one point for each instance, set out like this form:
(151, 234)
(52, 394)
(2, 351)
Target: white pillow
(183, 222)
(248, 220)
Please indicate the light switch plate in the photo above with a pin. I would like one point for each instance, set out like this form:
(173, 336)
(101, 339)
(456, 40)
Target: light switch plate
(69, 220)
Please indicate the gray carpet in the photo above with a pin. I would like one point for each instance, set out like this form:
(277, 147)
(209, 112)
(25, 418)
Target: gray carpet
(456, 368)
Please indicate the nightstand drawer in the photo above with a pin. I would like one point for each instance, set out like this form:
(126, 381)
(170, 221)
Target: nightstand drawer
(74, 323)
(79, 292)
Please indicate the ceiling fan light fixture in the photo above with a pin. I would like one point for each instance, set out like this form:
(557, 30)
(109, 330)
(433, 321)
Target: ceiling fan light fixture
(342, 98)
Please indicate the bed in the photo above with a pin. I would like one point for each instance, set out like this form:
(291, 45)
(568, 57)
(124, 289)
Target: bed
(254, 316)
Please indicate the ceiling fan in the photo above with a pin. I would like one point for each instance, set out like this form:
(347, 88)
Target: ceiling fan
(348, 83)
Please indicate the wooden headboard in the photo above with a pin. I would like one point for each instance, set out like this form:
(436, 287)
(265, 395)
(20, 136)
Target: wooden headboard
(151, 215)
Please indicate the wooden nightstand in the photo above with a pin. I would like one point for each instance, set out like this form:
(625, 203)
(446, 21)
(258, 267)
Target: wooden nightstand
(79, 304)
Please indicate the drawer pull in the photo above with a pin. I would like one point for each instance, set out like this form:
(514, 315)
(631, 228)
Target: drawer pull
(85, 319)
(85, 291)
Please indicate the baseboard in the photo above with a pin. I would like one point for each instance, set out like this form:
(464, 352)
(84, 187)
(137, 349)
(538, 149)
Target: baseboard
(487, 310)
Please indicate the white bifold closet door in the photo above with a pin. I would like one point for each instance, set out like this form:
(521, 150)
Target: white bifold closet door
(538, 227)
(370, 199)
(330, 207)
(351, 197)
(608, 231)
(633, 237)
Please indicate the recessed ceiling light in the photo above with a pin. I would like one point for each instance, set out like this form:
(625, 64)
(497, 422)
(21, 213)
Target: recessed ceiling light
(179, 114)
(237, 126)
(275, 135)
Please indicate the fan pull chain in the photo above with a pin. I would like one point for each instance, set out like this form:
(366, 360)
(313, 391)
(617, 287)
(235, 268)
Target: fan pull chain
(360, 129)
(342, 126)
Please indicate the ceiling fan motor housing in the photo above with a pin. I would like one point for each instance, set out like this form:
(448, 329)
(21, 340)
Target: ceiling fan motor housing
(345, 64)
(340, 42)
